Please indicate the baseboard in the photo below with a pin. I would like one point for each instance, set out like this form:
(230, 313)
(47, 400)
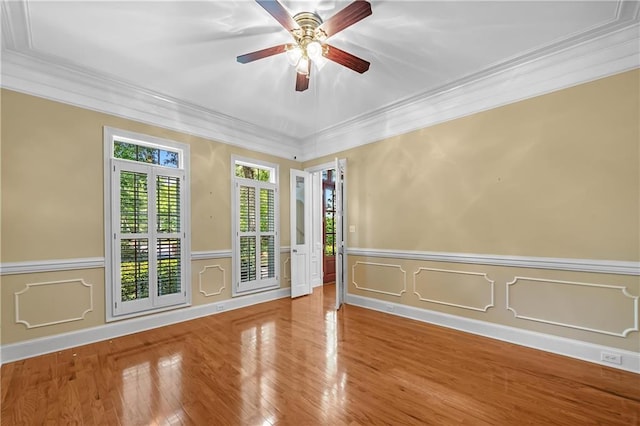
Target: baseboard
(559, 345)
(30, 348)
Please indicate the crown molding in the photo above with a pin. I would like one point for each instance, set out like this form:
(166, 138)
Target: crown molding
(47, 77)
(599, 52)
(605, 55)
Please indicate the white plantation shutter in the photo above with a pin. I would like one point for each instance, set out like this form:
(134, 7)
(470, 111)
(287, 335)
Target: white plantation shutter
(267, 233)
(148, 251)
(256, 255)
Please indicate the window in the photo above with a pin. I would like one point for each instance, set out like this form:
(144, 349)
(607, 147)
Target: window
(146, 203)
(256, 254)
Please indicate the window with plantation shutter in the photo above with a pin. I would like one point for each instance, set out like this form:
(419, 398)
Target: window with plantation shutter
(147, 237)
(256, 253)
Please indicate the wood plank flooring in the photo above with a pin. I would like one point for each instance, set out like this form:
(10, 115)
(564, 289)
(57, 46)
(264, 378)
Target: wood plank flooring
(297, 362)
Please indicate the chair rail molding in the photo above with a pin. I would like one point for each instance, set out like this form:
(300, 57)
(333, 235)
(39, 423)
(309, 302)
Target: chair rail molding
(210, 254)
(52, 265)
(620, 267)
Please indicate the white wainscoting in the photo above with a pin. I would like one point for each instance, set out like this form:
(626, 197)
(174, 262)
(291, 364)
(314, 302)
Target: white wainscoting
(484, 295)
(630, 361)
(583, 297)
(381, 279)
(213, 276)
(30, 348)
(73, 311)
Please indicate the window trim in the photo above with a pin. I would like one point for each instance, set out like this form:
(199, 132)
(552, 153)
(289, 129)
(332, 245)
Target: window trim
(111, 134)
(235, 222)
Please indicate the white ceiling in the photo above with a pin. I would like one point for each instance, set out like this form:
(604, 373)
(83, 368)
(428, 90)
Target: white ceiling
(183, 53)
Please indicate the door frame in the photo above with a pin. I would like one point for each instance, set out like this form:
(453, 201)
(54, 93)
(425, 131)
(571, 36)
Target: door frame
(316, 213)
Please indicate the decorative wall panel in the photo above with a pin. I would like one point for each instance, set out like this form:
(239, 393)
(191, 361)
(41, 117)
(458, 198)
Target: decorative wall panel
(211, 280)
(462, 289)
(599, 308)
(381, 278)
(53, 302)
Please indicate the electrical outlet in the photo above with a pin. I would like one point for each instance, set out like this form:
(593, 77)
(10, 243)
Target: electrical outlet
(220, 307)
(389, 308)
(611, 357)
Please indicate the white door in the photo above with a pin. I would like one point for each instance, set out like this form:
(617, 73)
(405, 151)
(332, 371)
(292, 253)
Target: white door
(300, 219)
(339, 225)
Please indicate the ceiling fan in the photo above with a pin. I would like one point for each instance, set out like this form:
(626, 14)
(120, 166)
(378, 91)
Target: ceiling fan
(310, 33)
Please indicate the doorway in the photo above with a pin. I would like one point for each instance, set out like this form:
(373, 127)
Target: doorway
(328, 248)
(328, 226)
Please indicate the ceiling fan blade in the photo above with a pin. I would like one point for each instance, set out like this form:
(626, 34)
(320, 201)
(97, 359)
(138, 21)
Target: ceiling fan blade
(281, 15)
(259, 54)
(302, 80)
(346, 59)
(356, 11)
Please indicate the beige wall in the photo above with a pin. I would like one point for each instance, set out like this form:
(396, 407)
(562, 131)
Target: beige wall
(553, 176)
(52, 208)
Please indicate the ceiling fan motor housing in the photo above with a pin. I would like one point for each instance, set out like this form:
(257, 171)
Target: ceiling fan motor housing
(309, 23)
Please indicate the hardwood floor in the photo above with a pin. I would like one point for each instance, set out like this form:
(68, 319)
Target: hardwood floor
(297, 362)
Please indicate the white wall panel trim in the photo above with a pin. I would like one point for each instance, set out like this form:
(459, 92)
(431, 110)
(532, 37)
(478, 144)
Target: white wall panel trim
(623, 333)
(563, 264)
(442, 302)
(224, 280)
(54, 265)
(384, 265)
(30, 286)
(30, 348)
(559, 345)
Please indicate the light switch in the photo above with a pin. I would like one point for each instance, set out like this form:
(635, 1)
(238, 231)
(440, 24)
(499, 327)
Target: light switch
(352, 228)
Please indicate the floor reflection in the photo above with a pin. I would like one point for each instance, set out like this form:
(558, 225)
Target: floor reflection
(152, 391)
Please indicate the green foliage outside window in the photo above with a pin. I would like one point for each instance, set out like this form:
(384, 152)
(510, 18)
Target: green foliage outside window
(253, 173)
(145, 154)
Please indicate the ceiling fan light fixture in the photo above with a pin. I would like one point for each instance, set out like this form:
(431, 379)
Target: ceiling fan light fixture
(294, 53)
(303, 66)
(320, 62)
(314, 50)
